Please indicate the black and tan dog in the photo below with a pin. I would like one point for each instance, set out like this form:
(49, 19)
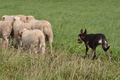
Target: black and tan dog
(92, 41)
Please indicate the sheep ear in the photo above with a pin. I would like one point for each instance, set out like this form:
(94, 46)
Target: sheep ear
(3, 18)
(26, 17)
(28, 29)
(81, 31)
(25, 29)
(17, 18)
(16, 33)
(14, 19)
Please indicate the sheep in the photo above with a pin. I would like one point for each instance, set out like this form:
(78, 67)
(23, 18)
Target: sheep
(8, 18)
(32, 39)
(22, 18)
(18, 24)
(44, 26)
(5, 30)
(11, 18)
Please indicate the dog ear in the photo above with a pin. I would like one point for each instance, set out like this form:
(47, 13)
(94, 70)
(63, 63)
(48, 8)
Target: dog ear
(81, 31)
(85, 31)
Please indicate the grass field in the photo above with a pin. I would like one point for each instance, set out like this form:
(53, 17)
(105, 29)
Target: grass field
(67, 18)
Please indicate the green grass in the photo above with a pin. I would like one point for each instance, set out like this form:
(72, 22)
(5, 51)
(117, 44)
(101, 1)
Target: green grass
(67, 18)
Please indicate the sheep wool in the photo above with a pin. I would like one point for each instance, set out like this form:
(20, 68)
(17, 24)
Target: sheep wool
(44, 26)
(32, 39)
(5, 30)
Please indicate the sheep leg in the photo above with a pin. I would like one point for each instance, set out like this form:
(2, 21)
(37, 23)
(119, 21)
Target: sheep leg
(50, 42)
(51, 47)
(20, 44)
(6, 39)
(42, 48)
(35, 49)
(31, 49)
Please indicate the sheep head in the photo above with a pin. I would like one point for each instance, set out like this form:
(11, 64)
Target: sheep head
(21, 31)
(16, 18)
(29, 18)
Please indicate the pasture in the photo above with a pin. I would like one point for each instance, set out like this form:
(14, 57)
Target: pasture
(67, 62)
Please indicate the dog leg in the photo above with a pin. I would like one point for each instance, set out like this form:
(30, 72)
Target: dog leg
(109, 55)
(94, 53)
(86, 54)
(105, 48)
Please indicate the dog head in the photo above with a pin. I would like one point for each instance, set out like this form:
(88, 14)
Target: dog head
(82, 35)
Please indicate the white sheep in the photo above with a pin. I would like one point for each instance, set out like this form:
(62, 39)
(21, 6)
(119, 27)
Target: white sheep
(11, 18)
(5, 30)
(33, 39)
(18, 24)
(44, 26)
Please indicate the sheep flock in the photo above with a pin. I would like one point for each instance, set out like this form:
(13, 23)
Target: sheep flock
(27, 32)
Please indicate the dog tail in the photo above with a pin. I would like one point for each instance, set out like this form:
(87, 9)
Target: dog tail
(105, 45)
(106, 48)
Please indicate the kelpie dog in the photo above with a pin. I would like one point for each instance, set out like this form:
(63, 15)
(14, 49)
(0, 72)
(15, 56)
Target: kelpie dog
(92, 41)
